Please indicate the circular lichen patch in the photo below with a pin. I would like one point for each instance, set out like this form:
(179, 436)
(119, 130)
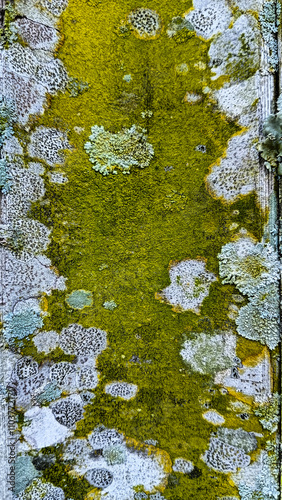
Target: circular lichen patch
(79, 299)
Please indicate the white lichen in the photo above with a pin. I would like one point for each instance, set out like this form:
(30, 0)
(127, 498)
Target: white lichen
(209, 18)
(208, 353)
(190, 284)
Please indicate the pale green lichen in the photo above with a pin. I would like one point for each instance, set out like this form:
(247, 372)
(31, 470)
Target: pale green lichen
(259, 480)
(114, 455)
(254, 268)
(208, 353)
(122, 150)
(268, 413)
(110, 305)
(79, 299)
(259, 319)
(180, 30)
(269, 19)
(76, 87)
(20, 325)
(8, 34)
(50, 393)
(248, 265)
(25, 472)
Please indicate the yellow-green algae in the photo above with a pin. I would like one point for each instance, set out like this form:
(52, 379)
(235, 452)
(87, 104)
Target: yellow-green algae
(116, 235)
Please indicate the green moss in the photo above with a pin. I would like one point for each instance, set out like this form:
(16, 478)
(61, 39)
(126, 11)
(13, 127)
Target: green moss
(58, 474)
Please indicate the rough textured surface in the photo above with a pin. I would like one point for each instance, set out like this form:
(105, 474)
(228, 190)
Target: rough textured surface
(108, 392)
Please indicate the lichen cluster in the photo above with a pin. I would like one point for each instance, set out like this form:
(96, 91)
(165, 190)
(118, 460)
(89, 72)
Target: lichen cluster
(123, 150)
(269, 19)
(82, 393)
(271, 146)
(255, 269)
(190, 283)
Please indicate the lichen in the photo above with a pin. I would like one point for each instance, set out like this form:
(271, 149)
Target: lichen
(20, 325)
(254, 268)
(190, 283)
(271, 146)
(180, 30)
(8, 118)
(51, 393)
(209, 18)
(5, 177)
(114, 455)
(76, 87)
(208, 353)
(110, 305)
(25, 472)
(39, 489)
(122, 150)
(268, 413)
(258, 481)
(236, 51)
(8, 34)
(122, 390)
(145, 22)
(79, 299)
(269, 18)
(182, 465)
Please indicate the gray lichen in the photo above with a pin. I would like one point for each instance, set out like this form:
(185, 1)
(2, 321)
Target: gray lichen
(5, 177)
(271, 146)
(8, 117)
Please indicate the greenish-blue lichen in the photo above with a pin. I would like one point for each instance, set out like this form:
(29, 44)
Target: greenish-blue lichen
(25, 472)
(79, 299)
(122, 150)
(50, 393)
(20, 325)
